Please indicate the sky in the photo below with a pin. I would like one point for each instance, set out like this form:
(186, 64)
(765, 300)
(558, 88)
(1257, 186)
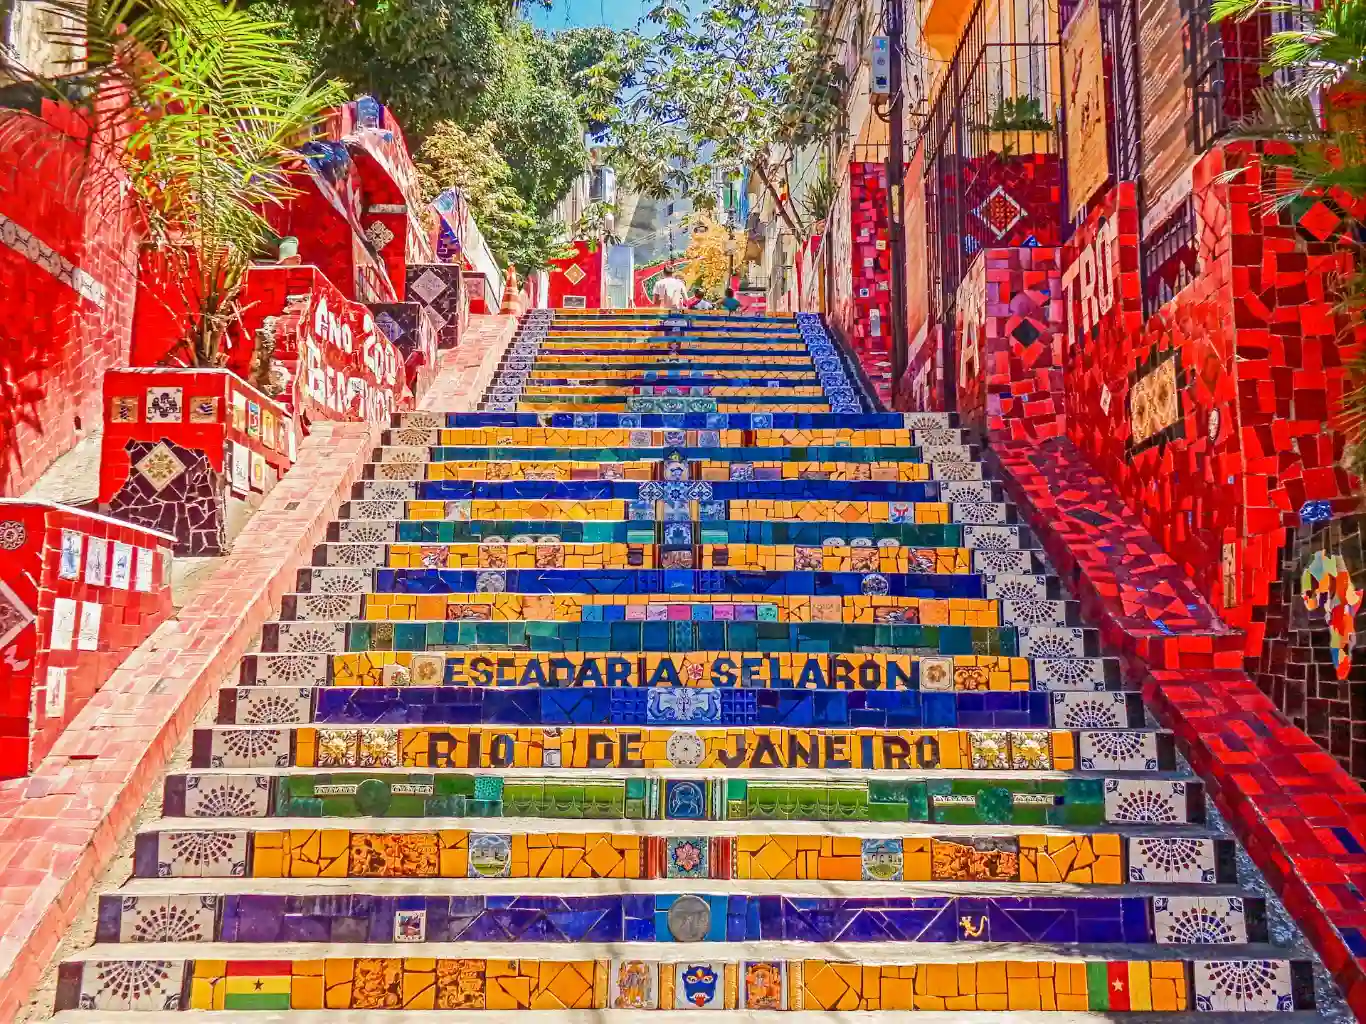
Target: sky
(582, 13)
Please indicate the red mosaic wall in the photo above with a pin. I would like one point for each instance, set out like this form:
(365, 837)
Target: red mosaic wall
(1009, 320)
(178, 442)
(922, 385)
(1301, 817)
(1007, 203)
(67, 278)
(335, 364)
(969, 333)
(1009, 200)
(1213, 418)
(211, 410)
(78, 592)
(581, 277)
(870, 331)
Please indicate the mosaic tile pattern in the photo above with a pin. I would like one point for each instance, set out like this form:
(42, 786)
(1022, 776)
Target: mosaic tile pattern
(401, 983)
(747, 671)
(961, 801)
(1165, 920)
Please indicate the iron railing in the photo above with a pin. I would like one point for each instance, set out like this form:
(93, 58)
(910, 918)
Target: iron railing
(1168, 257)
(999, 102)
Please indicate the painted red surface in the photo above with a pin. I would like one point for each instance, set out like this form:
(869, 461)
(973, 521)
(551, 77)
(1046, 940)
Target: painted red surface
(56, 341)
(587, 266)
(644, 279)
(217, 409)
(84, 611)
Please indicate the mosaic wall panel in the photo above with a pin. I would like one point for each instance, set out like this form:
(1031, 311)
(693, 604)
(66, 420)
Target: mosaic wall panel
(1183, 414)
(78, 592)
(438, 288)
(870, 265)
(177, 491)
(1024, 343)
(67, 271)
(332, 361)
(1012, 200)
(411, 331)
(247, 438)
(1309, 664)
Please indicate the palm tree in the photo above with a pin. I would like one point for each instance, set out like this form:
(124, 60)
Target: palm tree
(197, 108)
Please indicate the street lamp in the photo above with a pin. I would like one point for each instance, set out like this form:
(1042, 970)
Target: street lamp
(730, 257)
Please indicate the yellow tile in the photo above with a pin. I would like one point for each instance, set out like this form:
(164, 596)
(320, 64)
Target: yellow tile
(338, 978)
(207, 984)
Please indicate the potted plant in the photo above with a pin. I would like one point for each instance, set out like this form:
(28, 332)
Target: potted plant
(201, 105)
(1018, 124)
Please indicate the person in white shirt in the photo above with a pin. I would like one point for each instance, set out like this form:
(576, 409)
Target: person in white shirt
(669, 290)
(699, 300)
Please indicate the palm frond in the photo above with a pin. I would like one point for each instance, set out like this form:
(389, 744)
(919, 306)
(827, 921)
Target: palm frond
(195, 108)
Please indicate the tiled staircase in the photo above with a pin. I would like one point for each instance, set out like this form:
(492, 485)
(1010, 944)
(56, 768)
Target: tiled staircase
(673, 680)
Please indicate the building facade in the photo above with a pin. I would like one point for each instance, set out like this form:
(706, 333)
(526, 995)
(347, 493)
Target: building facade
(1092, 258)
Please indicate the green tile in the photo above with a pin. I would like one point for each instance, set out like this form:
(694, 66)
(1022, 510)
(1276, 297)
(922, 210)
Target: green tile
(994, 805)
(451, 806)
(466, 785)
(881, 792)
(888, 812)
(1084, 791)
(295, 786)
(635, 789)
(300, 807)
(604, 800)
(523, 799)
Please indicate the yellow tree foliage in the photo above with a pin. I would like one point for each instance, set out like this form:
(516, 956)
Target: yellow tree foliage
(708, 262)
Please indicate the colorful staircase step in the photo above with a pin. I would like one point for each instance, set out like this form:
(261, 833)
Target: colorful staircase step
(748, 747)
(393, 979)
(1071, 800)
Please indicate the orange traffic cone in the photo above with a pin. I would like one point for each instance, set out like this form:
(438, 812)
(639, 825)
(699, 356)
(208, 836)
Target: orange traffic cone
(510, 290)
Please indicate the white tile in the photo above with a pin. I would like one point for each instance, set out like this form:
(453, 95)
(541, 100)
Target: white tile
(1153, 801)
(249, 748)
(1199, 920)
(1127, 750)
(226, 796)
(1243, 986)
(1090, 710)
(1172, 859)
(202, 854)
